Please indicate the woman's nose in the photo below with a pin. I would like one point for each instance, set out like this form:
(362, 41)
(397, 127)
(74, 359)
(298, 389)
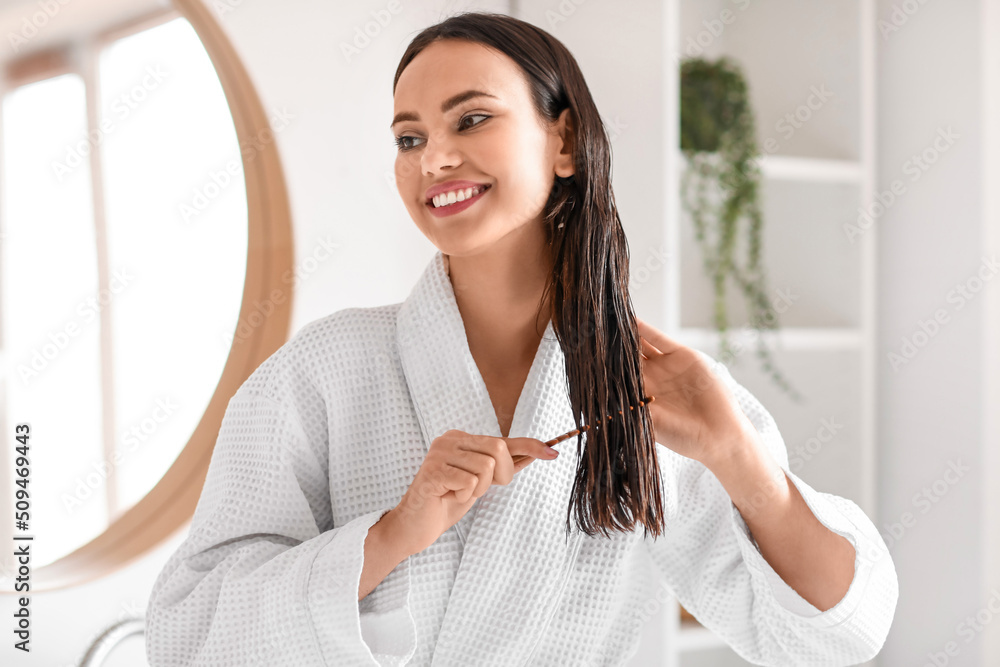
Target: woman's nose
(439, 152)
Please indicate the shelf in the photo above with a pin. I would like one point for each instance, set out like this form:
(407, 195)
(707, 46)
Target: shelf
(791, 338)
(780, 167)
(814, 170)
(810, 72)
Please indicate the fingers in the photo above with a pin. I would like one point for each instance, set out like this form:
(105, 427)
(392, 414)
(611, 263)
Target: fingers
(481, 466)
(474, 462)
(522, 462)
(459, 481)
(663, 343)
(529, 447)
(491, 459)
(536, 449)
(462, 468)
(504, 451)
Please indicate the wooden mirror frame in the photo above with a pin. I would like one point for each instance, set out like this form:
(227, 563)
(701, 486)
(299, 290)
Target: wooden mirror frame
(270, 255)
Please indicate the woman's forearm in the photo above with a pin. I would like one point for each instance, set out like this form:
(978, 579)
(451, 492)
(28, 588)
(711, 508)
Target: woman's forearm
(383, 552)
(812, 559)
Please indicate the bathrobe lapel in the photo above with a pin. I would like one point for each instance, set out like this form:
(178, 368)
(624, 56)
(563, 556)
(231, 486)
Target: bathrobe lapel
(517, 555)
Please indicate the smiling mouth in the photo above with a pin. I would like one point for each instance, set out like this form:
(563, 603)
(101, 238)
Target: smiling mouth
(481, 189)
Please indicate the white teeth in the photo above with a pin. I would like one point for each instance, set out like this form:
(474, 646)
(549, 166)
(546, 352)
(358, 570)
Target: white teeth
(456, 196)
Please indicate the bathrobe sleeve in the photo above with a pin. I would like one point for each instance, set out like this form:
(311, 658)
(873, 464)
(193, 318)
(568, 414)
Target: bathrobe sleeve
(264, 577)
(710, 560)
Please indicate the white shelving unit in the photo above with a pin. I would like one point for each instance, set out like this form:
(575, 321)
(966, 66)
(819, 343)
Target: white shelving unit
(813, 184)
(817, 171)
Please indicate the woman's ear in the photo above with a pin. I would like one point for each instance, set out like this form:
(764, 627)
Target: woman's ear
(565, 131)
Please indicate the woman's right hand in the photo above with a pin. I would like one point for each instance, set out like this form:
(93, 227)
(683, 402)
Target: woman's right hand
(458, 469)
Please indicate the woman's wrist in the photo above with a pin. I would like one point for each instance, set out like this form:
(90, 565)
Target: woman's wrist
(393, 535)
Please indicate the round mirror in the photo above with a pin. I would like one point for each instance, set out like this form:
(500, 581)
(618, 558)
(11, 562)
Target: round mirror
(146, 256)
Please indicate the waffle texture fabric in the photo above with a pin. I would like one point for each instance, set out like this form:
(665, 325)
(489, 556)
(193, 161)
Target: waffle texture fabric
(325, 437)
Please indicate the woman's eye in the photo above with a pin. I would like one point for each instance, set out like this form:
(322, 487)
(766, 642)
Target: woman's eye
(472, 115)
(403, 146)
(401, 143)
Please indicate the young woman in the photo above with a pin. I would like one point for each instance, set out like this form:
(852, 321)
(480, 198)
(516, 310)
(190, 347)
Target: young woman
(381, 492)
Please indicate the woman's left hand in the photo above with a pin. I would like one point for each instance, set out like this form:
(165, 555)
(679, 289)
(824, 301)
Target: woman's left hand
(694, 413)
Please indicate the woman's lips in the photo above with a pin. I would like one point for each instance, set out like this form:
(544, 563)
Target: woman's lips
(459, 206)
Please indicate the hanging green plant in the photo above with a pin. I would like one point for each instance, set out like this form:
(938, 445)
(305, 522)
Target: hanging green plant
(719, 142)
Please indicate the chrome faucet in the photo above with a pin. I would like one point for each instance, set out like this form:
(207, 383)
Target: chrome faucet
(98, 651)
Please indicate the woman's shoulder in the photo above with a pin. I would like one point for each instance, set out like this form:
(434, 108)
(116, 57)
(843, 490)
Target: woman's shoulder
(357, 325)
(326, 348)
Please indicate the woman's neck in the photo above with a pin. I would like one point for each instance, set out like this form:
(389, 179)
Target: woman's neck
(498, 294)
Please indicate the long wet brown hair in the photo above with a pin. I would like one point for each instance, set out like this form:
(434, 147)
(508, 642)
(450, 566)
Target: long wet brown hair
(618, 479)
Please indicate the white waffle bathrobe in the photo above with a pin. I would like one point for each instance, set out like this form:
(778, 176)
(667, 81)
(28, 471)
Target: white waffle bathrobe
(328, 433)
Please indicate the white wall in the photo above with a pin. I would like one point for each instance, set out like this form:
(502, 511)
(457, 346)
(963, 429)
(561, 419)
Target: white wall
(930, 240)
(338, 160)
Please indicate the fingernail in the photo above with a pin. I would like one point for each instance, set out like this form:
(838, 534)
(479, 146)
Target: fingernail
(551, 452)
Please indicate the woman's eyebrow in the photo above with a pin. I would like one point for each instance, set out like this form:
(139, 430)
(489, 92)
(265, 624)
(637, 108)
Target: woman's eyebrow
(448, 104)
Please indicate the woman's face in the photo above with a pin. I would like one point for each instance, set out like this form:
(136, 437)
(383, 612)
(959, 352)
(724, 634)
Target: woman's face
(494, 141)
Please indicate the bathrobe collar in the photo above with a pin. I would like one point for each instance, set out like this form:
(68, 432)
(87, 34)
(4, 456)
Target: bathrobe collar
(498, 608)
